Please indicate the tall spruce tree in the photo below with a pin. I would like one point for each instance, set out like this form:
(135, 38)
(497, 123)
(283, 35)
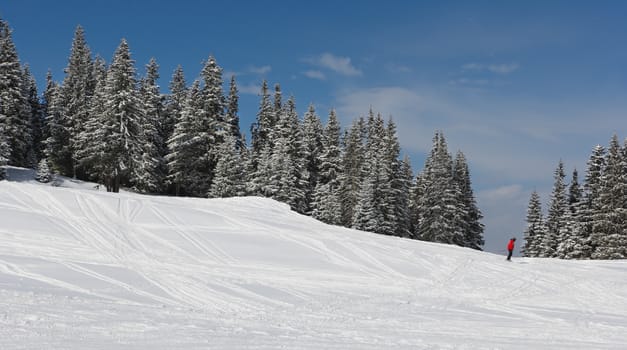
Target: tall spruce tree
(92, 143)
(570, 232)
(326, 197)
(590, 203)
(150, 172)
(473, 228)
(555, 218)
(261, 145)
(36, 116)
(441, 214)
(609, 226)
(76, 91)
(350, 176)
(289, 176)
(312, 151)
(228, 180)
(536, 230)
(123, 113)
(232, 116)
(15, 112)
(370, 211)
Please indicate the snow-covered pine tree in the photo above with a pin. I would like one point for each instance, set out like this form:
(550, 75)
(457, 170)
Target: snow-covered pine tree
(45, 101)
(371, 209)
(232, 116)
(57, 142)
(570, 232)
(149, 175)
(75, 95)
(289, 177)
(609, 227)
(91, 141)
(122, 117)
(36, 116)
(350, 175)
(403, 203)
(228, 180)
(555, 218)
(261, 144)
(15, 112)
(471, 221)
(392, 184)
(590, 204)
(43, 172)
(416, 197)
(174, 103)
(440, 211)
(187, 161)
(312, 148)
(536, 229)
(326, 198)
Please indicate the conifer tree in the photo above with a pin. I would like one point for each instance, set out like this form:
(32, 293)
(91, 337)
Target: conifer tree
(555, 218)
(123, 113)
(228, 180)
(174, 103)
(261, 145)
(326, 198)
(232, 117)
(91, 142)
(471, 220)
(188, 160)
(43, 172)
(150, 172)
(76, 92)
(570, 233)
(590, 203)
(312, 148)
(536, 230)
(36, 116)
(440, 211)
(609, 227)
(289, 177)
(350, 177)
(370, 209)
(15, 112)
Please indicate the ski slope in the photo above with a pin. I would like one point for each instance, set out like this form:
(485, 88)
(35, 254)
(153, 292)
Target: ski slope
(86, 269)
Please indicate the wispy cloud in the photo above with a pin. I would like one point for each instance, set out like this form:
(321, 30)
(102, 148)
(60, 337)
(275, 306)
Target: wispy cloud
(260, 70)
(338, 64)
(314, 74)
(397, 68)
(249, 89)
(504, 68)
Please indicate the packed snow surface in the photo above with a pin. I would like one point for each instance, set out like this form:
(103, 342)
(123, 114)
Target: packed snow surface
(86, 269)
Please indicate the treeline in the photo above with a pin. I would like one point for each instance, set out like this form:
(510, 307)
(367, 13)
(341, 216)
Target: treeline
(103, 124)
(586, 221)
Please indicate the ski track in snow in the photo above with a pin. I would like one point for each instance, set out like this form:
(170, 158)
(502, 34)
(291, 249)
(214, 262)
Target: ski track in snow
(86, 269)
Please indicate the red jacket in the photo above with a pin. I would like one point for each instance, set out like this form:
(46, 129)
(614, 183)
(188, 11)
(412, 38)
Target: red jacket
(510, 245)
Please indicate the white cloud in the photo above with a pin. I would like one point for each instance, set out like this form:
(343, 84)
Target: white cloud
(260, 70)
(397, 68)
(341, 65)
(504, 68)
(315, 74)
(249, 89)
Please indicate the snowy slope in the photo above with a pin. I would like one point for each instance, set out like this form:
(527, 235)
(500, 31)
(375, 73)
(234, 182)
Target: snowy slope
(86, 269)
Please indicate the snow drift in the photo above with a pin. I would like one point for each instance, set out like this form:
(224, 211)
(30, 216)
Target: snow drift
(86, 269)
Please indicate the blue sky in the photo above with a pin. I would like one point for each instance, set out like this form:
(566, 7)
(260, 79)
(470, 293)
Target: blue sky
(516, 86)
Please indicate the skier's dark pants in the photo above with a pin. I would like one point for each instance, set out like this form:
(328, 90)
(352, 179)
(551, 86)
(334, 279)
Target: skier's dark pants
(509, 255)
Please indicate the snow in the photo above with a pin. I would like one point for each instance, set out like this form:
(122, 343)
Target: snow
(84, 269)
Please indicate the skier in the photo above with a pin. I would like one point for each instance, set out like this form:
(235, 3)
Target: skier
(510, 248)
